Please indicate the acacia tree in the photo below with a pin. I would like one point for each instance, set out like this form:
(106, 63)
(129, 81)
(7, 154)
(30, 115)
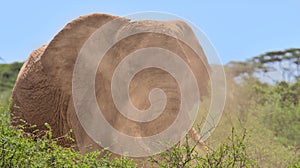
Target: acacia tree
(276, 66)
(286, 63)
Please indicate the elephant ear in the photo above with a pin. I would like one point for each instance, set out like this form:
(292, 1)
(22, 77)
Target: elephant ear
(198, 60)
(60, 56)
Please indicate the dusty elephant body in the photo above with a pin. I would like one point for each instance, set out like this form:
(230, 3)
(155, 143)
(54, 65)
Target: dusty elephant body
(43, 90)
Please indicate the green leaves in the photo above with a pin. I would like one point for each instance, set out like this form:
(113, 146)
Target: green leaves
(280, 107)
(8, 75)
(232, 153)
(18, 150)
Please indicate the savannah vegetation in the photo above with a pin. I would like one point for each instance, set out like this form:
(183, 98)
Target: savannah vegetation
(260, 126)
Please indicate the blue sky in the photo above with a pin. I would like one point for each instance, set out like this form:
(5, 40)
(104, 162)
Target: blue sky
(238, 29)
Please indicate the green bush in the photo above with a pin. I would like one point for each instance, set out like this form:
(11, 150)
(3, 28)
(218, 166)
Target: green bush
(281, 111)
(8, 76)
(232, 153)
(272, 124)
(24, 150)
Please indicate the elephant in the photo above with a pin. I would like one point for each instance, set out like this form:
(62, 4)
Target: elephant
(43, 90)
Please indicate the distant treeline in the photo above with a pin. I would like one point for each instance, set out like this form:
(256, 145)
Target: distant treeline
(8, 75)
